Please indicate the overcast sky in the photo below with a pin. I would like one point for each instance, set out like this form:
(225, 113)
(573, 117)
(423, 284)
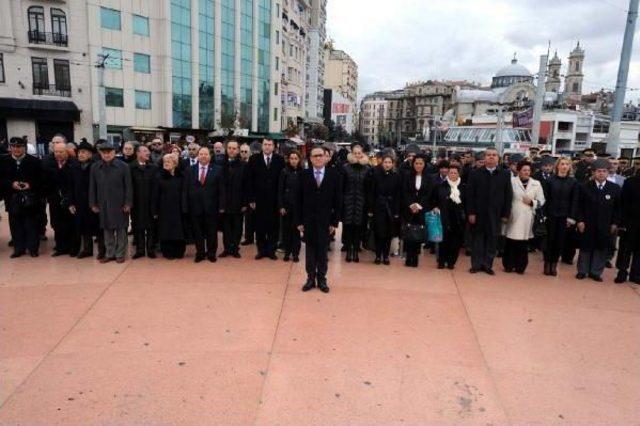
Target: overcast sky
(398, 41)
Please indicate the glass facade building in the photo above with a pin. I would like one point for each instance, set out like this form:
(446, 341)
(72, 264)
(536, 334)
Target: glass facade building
(228, 62)
(181, 62)
(264, 63)
(206, 86)
(246, 68)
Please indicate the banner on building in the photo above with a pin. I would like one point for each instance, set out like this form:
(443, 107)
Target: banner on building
(523, 119)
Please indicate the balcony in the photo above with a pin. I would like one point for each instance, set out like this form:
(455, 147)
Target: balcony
(51, 90)
(49, 39)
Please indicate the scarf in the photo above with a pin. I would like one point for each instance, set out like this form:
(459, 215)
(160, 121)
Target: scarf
(455, 192)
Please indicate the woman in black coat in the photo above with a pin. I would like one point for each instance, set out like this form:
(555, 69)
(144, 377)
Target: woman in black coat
(417, 196)
(168, 209)
(384, 206)
(449, 199)
(86, 221)
(561, 195)
(288, 187)
(355, 175)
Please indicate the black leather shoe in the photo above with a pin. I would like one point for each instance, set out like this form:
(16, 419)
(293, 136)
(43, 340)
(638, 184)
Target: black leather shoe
(386, 261)
(151, 255)
(34, 253)
(137, 255)
(212, 258)
(286, 258)
(83, 254)
(620, 279)
(440, 265)
(199, 258)
(474, 271)
(489, 271)
(57, 253)
(510, 270)
(596, 278)
(236, 255)
(273, 256)
(377, 261)
(309, 285)
(580, 276)
(16, 255)
(259, 256)
(223, 254)
(451, 267)
(608, 265)
(296, 259)
(322, 285)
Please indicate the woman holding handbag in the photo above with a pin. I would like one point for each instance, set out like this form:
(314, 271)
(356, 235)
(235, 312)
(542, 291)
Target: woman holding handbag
(417, 196)
(528, 196)
(448, 197)
(384, 205)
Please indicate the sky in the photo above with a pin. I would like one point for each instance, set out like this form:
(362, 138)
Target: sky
(400, 41)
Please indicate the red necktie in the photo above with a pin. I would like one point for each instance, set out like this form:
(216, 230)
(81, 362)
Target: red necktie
(203, 175)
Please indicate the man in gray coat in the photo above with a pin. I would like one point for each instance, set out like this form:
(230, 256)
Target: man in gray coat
(111, 196)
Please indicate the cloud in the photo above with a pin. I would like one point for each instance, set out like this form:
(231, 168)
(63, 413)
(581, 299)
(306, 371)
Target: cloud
(409, 40)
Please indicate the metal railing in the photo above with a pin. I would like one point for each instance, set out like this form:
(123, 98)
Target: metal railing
(53, 39)
(51, 90)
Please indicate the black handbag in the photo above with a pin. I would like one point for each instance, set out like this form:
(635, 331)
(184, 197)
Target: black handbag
(539, 223)
(414, 233)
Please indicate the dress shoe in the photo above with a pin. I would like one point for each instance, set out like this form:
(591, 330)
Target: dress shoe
(596, 278)
(286, 257)
(137, 255)
(223, 254)
(553, 271)
(259, 256)
(309, 285)
(106, 259)
(356, 259)
(519, 272)
(212, 258)
(474, 270)
(10, 243)
(16, 255)
(199, 258)
(581, 276)
(236, 255)
(451, 267)
(377, 261)
(34, 253)
(488, 271)
(510, 270)
(273, 256)
(608, 264)
(100, 256)
(322, 285)
(246, 243)
(385, 261)
(83, 254)
(151, 255)
(296, 259)
(440, 265)
(120, 260)
(547, 268)
(620, 279)
(57, 253)
(636, 281)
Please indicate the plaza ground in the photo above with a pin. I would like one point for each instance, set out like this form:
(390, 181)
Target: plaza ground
(155, 342)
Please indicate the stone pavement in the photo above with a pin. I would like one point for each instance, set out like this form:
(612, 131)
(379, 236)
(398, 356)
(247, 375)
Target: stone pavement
(236, 342)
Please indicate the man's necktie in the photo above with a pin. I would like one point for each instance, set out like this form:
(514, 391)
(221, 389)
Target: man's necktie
(268, 161)
(203, 175)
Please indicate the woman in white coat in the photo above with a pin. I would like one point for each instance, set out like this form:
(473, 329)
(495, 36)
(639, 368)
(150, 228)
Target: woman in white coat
(528, 196)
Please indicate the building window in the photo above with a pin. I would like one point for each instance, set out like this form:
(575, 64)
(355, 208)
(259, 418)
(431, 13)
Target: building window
(576, 88)
(141, 25)
(2, 78)
(62, 75)
(114, 97)
(110, 18)
(275, 114)
(275, 89)
(143, 100)
(36, 24)
(207, 69)
(40, 73)
(182, 63)
(114, 58)
(142, 63)
(58, 26)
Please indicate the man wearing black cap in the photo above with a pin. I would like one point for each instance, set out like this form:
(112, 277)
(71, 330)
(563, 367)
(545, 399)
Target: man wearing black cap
(547, 163)
(20, 182)
(86, 221)
(598, 216)
(111, 196)
(583, 168)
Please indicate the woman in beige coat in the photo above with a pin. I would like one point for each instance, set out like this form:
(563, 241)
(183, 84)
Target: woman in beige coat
(528, 196)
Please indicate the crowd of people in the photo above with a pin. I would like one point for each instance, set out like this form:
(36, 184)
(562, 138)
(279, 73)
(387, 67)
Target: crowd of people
(167, 196)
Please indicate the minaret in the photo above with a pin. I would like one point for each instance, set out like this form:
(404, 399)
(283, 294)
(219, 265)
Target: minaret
(553, 74)
(574, 77)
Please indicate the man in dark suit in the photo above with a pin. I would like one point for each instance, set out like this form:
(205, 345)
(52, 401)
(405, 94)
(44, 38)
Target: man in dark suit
(263, 172)
(489, 196)
(629, 232)
(317, 216)
(21, 180)
(204, 199)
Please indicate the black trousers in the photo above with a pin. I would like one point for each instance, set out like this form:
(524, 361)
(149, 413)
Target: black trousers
(557, 236)
(205, 230)
(570, 245)
(24, 231)
(63, 224)
(267, 235)
(449, 249)
(483, 249)
(249, 225)
(352, 235)
(383, 247)
(316, 259)
(412, 253)
(41, 217)
(290, 236)
(232, 231)
(172, 249)
(146, 239)
(516, 255)
(628, 256)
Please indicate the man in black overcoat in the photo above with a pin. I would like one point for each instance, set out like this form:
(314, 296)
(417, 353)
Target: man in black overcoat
(598, 217)
(144, 175)
(233, 171)
(629, 248)
(204, 199)
(489, 196)
(21, 182)
(317, 215)
(263, 173)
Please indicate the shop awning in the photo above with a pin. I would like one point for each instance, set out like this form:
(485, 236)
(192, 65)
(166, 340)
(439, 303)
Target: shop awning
(39, 109)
